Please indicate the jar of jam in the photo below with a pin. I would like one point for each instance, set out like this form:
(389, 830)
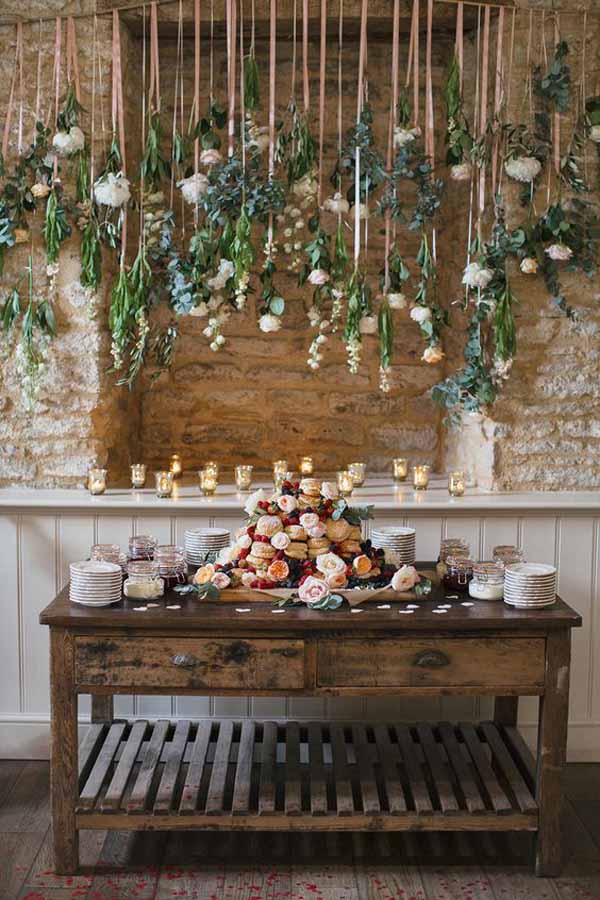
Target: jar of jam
(142, 546)
(487, 582)
(450, 547)
(459, 572)
(171, 564)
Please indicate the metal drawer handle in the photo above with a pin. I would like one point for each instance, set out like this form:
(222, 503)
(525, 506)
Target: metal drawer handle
(184, 660)
(431, 659)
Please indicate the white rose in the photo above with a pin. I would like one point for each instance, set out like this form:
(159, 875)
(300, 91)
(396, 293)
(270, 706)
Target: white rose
(396, 300)
(244, 542)
(68, 142)
(253, 501)
(337, 204)
(305, 186)
(317, 531)
(112, 190)
(523, 168)
(226, 555)
(368, 325)
(476, 276)
(329, 490)
(193, 188)
(420, 314)
(433, 354)
(330, 564)
(210, 157)
(248, 579)
(460, 172)
(403, 136)
(559, 252)
(405, 578)
(259, 139)
(594, 134)
(309, 520)
(269, 323)
(225, 272)
(318, 277)
(529, 265)
(295, 213)
(280, 540)
(287, 503)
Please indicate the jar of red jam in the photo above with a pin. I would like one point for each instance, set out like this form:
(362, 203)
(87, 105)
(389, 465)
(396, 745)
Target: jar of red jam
(459, 572)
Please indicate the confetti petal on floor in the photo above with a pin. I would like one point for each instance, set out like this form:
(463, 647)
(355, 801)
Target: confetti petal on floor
(467, 604)
(174, 606)
(440, 612)
(140, 608)
(405, 612)
(244, 609)
(277, 611)
(384, 606)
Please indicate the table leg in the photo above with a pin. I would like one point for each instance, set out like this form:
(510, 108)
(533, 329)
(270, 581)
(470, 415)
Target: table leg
(64, 749)
(552, 748)
(506, 710)
(102, 708)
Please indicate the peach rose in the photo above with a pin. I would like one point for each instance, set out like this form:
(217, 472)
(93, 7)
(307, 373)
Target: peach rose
(278, 570)
(287, 503)
(312, 590)
(280, 540)
(405, 578)
(330, 564)
(204, 574)
(337, 581)
(317, 531)
(362, 565)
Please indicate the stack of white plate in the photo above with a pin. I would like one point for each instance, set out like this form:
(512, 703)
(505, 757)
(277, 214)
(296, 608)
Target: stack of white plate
(530, 585)
(95, 583)
(398, 543)
(203, 544)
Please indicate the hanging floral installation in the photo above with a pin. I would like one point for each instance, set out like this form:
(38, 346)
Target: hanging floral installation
(233, 200)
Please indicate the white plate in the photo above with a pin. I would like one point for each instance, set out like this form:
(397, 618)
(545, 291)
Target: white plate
(209, 533)
(94, 567)
(394, 530)
(92, 603)
(528, 605)
(95, 595)
(531, 570)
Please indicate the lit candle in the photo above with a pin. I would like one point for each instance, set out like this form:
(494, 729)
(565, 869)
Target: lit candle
(164, 483)
(282, 476)
(97, 481)
(243, 477)
(345, 483)
(208, 481)
(138, 475)
(279, 466)
(306, 465)
(212, 466)
(358, 471)
(400, 468)
(420, 477)
(175, 466)
(456, 483)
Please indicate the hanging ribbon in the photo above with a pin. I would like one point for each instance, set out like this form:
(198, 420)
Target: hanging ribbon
(57, 65)
(176, 98)
(460, 42)
(359, 107)
(294, 49)
(509, 76)
(196, 117)
(211, 83)
(118, 114)
(391, 127)
(154, 61)
(231, 12)
(429, 125)
(322, 65)
(498, 91)
(11, 96)
(485, 57)
(93, 109)
(38, 84)
(340, 118)
(142, 230)
(556, 129)
(72, 58)
(242, 92)
(272, 70)
(305, 81)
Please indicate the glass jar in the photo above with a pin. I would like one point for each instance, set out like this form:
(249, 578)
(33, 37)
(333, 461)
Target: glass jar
(459, 572)
(106, 553)
(487, 582)
(97, 481)
(143, 581)
(172, 565)
(142, 546)
(243, 477)
(508, 554)
(358, 471)
(164, 484)
(138, 475)
(450, 547)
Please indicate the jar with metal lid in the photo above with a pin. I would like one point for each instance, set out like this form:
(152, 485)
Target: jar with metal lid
(172, 565)
(508, 554)
(142, 546)
(459, 572)
(487, 582)
(143, 581)
(450, 547)
(106, 553)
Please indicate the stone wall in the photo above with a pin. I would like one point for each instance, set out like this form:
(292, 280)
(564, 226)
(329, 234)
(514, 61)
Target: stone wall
(256, 399)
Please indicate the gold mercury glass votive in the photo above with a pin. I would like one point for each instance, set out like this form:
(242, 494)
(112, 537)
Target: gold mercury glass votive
(96, 481)
(164, 483)
(208, 482)
(280, 477)
(400, 468)
(212, 466)
(420, 477)
(306, 466)
(243, 477)
(175, 466)
(138, 475)
(358, 471)
(345, 483)
(279, 466)
(456, 483)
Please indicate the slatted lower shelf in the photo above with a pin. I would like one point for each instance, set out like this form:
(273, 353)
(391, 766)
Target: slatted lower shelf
(299, 776)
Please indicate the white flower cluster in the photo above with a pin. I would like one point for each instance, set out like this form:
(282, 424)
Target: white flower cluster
(225, 272)
(404, 136)
(292, 223)
(368, 325)
(396, 300)
(337, 307)
(30, 366)
(477, 276)
(241, 290)
(523, 168)
(112, 190)
(420, 314)
(529, 265)
(306, 188)
(258, 137)
(433, 354)
(315, 354)
(353, 350)
(384, 381)
(213, 329)
(594, 134)
(269, 323)
(193, 188)
(501, 369)
(461, 172)
(337, 205)
(318, 277)
(210, 157)
(66, 143)
(559, 252)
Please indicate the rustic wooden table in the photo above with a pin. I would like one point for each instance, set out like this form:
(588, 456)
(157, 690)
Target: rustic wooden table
(302, 776)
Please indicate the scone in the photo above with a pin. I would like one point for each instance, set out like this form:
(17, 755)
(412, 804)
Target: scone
(311, 487)
(262, 550)
(355, 533)
(268, 525)
(296, 550)
(349, 547)
(338, 530)
(318, 543)
(296, 532)
(307, 502)
(256, 562)
(317, 551)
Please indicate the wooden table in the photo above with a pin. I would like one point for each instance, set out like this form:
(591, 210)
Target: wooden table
(307, 776)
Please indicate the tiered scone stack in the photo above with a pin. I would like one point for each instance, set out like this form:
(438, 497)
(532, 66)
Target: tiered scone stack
(304, 529)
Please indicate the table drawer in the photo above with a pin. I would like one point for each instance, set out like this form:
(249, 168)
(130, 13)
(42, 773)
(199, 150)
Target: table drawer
(173, 662)
(422, 662)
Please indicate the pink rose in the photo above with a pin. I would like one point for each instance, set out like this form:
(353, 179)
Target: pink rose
(287, 503)
(280, 540)
(221, 580)
(405, 578)
(337, 580)
(318, 277)
(313, 589)
(309, 520)
(317, 531)
(210, 157)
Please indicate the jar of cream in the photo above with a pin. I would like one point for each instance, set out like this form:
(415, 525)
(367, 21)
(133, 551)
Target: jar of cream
(487, 582)
(143, 581)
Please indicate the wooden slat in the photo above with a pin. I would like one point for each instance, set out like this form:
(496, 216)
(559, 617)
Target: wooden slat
(243, 774)
(138, 799)
(318, 785)
(368, 787)
(266, 788)
(498, 798)
(88, 750)
(293, 785)
(168, 782)
(439, 772)
(472, 794)
(94, 783)
(343, 787)
(413, 768)
(216, 787)
(506, 764)
(521, 752)
(193, 778)
(388, 758)
(116, 789)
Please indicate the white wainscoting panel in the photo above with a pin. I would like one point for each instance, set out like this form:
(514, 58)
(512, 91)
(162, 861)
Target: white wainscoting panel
(36, 547)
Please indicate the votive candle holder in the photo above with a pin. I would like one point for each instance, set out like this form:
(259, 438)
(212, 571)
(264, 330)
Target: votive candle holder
(282, 476)
(420, 477)
(208, 482)
(358, 472)
(456, 483)
(138, 475)
(164, 483)
(96, 481)
(345, 483)
(306, 466)
(243, 477)
(400, 468)
(175, 466)
(212, 466)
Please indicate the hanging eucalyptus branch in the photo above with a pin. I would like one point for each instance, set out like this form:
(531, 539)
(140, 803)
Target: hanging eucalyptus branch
(295, 147)
(372, 165)
(154, 166)
(56, 228)
(458, 136)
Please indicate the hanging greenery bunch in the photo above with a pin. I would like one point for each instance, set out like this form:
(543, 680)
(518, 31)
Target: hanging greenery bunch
(111, 194)
(72, 143)
(359, 317)
(296, 151)
(459, 141)
(56, 227)
(372, 166)
(316, 271)
(426, 312)
(7, 232)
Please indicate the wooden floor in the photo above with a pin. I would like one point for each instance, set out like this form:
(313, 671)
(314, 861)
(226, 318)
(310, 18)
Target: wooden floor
(202, 866)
